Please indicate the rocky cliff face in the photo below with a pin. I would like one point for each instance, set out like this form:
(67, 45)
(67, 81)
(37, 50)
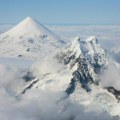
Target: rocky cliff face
(89, 59)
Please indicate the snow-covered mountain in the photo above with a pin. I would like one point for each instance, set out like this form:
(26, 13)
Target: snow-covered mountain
(77, 70)
(30, 39)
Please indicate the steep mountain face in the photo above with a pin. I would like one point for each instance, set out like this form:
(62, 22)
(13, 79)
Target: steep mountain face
(89, 58)
(76, 70)
(29, 38)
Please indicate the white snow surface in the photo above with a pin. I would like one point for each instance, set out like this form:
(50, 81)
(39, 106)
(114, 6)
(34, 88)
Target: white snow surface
(29, 39)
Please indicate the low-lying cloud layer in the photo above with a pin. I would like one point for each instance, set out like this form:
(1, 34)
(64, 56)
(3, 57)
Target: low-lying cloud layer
(111, 76)
(38, 104)
(44, 105)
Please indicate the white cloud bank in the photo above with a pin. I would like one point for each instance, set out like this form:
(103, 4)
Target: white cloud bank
(44, 105)
(111, 76)
(39, 105)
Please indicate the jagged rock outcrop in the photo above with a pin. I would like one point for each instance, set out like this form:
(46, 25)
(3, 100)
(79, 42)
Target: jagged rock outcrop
(89, 59)
(115, 92)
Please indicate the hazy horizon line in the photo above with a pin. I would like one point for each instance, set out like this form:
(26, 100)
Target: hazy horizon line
(67, 24)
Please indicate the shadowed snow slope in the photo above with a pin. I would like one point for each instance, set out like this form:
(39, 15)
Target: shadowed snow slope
(30, 39)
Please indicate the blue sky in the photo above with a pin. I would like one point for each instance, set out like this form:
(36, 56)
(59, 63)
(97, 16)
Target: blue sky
(61, 11)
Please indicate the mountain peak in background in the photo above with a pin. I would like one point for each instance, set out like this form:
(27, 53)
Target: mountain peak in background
(28, 38)
(31, 26)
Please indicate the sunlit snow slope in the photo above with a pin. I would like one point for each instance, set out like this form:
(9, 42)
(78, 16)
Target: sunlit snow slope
(29, 39)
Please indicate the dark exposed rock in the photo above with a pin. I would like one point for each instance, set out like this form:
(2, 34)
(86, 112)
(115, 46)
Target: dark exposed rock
(28, 77)
(71, 87)
(115, 92)
(43, 36)
(82, 75)
(29, 87)
(19, 55)
(30, 40)
(28, 49)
